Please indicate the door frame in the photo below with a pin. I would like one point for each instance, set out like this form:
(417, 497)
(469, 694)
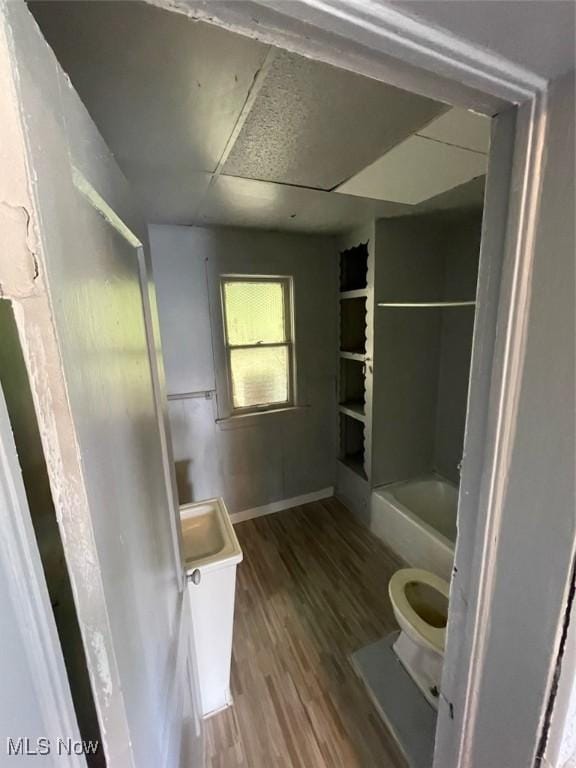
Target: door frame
(22, 564)
(385, 43)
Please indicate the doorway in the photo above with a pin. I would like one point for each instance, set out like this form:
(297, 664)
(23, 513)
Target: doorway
(516, 282)
(327, 186)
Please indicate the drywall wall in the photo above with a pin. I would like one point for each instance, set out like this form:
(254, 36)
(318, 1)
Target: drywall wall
(422, 356)
(535, 542)
(259, 459)
(75, 284)
(406, 349)
(460, 239)
(181, 278)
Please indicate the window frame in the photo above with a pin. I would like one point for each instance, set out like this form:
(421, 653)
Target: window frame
(287, 283)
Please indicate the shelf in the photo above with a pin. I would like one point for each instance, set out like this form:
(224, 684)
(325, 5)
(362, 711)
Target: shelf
(359, 293)
(354, 409)
(354, 268)
(359, 356)
(355, 462)
(425, 304)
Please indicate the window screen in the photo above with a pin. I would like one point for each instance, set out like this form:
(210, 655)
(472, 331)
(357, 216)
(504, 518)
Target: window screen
(258, 340)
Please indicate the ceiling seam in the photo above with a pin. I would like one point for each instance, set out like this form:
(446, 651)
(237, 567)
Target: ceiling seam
(274, 181)
(448, 144)
(257, 83)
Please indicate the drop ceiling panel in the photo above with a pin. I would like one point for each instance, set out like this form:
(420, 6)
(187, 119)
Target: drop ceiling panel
(416, 170)
(468, 196)
(314, 125)
(461, 128)
(164, 91)
(174, 198)
(233, 201)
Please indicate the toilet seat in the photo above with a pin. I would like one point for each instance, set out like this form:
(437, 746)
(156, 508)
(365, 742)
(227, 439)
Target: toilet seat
(434, 636)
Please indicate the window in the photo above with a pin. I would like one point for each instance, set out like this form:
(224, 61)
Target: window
(258, 338)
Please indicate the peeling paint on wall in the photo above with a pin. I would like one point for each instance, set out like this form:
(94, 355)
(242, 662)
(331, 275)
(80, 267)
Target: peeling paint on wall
(20, 272)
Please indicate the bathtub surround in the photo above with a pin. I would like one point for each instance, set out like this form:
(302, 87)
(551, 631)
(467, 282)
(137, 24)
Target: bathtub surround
(422, 356)
(263, 459)
(415, 361)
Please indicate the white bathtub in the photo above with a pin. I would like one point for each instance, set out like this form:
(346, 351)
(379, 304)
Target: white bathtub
(417, 520)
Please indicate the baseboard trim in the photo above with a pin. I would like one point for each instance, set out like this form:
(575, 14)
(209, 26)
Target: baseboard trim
(279, 506)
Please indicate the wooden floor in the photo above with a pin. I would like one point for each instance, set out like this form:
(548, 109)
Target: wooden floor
(312, 589)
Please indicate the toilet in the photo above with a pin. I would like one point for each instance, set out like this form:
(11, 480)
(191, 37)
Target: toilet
(420, 602)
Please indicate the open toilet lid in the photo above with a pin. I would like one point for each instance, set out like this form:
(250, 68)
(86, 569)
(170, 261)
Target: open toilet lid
(435, 636)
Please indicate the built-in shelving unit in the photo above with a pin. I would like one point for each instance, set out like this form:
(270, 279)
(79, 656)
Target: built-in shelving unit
(352, 388)
(353, 325)
(354, 297)
(354, 268)
(352, 444)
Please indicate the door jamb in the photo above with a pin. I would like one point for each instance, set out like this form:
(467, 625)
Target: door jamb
(28, 591)
(382, 42)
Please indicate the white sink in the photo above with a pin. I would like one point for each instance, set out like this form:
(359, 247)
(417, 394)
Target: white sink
(208, 536)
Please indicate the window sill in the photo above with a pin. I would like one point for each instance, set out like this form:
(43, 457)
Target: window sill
(247, 419)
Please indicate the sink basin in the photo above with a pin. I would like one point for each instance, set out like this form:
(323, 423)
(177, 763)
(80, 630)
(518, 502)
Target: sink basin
(208, 536)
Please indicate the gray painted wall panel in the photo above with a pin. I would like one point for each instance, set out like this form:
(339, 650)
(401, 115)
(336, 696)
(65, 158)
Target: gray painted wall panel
(182, 291)
(422, 356)
(406, 349)
(266, 457)
(462, 248)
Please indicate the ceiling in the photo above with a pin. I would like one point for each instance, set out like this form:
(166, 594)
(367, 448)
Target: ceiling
(215, 128)
(449, 151)
(313, 125)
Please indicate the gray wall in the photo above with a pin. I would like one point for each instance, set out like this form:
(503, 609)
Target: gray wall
(263, 458)
(460, 240)
(422, 356)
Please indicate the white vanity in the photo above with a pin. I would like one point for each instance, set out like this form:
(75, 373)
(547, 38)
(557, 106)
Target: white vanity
(211, 554)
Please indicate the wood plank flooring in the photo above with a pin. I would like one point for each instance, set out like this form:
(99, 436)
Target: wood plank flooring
(312, 589)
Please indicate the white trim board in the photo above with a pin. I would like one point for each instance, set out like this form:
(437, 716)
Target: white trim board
(280, 506)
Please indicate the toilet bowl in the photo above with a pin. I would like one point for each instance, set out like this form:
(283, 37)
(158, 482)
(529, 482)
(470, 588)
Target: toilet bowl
(420, 602)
